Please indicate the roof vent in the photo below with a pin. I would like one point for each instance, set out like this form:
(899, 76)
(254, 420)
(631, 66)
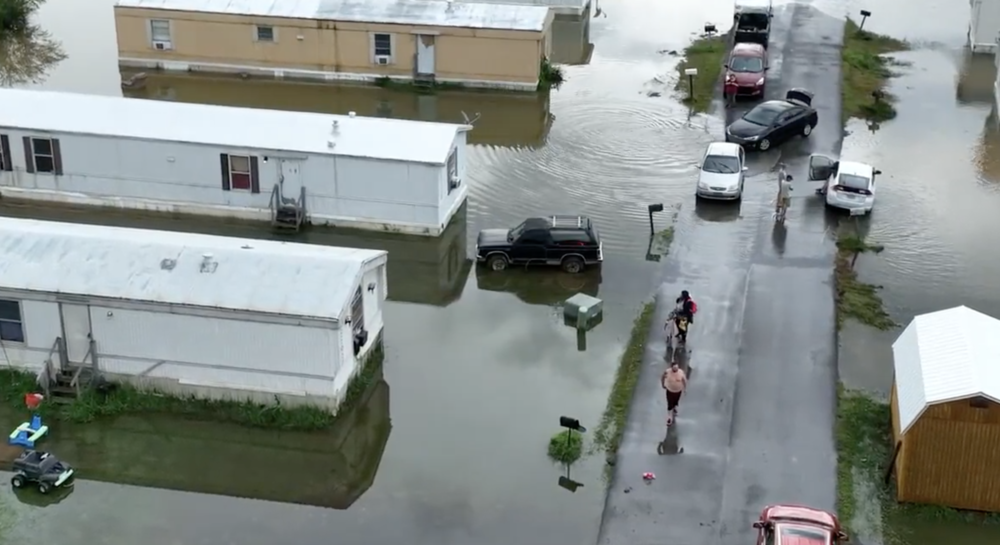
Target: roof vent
(352, 114)
(168, 264)
(335, 128)
(207, 265)
(450, 4)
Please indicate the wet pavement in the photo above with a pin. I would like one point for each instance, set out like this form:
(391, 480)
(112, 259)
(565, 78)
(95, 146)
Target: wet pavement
(757, 417)
(481, 367)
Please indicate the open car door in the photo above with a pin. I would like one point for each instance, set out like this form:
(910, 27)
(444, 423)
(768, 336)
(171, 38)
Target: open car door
(820, 168)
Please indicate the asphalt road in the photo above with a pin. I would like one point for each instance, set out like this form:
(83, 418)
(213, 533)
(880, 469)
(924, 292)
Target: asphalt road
(756, 424)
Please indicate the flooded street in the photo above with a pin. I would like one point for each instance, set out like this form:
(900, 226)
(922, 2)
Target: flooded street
(480, 367)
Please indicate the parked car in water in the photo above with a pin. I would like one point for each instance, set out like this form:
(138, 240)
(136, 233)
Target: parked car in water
(720, 175)
(847, 185)
(569, 242)
(746, 67)
(797, 524)
(775, 121)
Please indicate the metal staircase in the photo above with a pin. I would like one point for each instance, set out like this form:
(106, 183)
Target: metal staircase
(287, 214)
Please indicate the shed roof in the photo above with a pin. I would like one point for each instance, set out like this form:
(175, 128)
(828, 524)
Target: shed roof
(269, 277)
(226, 126)
(401, 12)
(945, 356)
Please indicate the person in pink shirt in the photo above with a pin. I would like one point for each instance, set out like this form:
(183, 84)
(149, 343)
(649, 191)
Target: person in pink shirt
(673, 381)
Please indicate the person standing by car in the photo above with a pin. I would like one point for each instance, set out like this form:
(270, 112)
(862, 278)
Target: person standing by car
(674, 382)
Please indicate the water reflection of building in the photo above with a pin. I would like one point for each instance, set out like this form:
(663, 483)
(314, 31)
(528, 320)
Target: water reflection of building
(976, 79)
(987, 153)
(423, 270)
(505, 119)
(571, 39)
(539, 286)
(559, 7)
(332, 468)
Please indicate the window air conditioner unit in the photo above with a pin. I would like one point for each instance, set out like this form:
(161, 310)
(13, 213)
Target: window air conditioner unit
(360, 338)
(454, 182)
(161, 46)
(382, 60)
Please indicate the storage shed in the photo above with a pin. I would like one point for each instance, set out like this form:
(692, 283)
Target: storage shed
(279, 166)
(425, 41)
(946, 410)
(195, 314)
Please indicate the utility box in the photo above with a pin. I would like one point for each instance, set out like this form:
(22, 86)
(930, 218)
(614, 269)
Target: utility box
(582, 311)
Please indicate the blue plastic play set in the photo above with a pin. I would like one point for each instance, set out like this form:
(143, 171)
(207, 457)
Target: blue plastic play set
(28, 433)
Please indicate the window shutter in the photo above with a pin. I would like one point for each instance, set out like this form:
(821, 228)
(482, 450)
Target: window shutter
(57, 156)
(8, 161)
(254, 175)
(29, 158)
(224, 160)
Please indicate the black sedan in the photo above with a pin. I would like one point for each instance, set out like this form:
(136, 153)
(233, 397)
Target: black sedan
(774, 121)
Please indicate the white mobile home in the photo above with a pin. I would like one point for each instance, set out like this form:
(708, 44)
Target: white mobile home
(195, 314)
(278, 166)
(984, 26)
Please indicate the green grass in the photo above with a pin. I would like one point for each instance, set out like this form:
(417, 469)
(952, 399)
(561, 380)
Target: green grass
(125, 400)
(608, 434)
(566, 446)
(864, 445)
(855, 299)
(865, 70)
(707, 55)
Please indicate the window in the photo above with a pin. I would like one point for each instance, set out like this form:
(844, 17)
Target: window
(534, 237)
(5, 162)
(159, 33)
(240, 173)
(381, 46)
(11, 328)
(453, 181)
(746, 64)
(762, 115)
(358, 311)
(567, 237)
(44, 157)
(721, 164)
(979, 402)
(265, 34)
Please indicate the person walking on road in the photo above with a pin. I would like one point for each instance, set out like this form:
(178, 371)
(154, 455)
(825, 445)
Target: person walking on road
(673, 381)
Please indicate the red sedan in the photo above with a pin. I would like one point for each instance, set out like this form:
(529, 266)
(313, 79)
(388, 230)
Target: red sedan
(798, 525)
(745, 68)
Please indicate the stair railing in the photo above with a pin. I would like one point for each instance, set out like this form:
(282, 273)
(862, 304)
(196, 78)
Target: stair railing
(47, 372)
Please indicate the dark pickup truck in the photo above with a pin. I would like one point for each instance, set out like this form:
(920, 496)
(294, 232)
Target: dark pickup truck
(569, 242)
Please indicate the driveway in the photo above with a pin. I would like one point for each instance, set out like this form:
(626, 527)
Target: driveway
(756, 425)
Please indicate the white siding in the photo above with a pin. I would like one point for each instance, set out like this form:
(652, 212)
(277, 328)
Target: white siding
(450, 202)
(41, 327)
(984, 26)
(217, 352)
(177, 177)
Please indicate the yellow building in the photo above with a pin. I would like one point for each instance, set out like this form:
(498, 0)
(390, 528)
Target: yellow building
(946, 410)
(475, 45)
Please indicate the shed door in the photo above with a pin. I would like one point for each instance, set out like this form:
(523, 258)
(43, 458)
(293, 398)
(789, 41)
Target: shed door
(76, 330)
(425, 54)
(291, 178)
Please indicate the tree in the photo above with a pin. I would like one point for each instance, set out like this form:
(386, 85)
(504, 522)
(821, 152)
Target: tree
(15, 15)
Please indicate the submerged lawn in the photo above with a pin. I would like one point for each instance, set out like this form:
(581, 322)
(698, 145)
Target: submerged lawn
(866, 70)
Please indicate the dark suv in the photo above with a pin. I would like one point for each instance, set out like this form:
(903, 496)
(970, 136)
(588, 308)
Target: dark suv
(570, 242)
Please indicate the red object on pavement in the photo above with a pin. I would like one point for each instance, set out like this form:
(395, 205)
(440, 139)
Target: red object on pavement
(32, 401)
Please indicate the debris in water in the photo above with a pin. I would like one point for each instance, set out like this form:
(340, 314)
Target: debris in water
(648, 477)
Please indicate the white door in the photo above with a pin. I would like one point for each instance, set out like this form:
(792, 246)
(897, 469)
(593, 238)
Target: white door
(291, 178)
(425, 54)
(76, 330)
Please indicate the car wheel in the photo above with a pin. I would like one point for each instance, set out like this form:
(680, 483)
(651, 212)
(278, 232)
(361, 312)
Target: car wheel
(17, 481)
(44, 488)
(572, 265)
(764, 145)
(497, 262)
(807, 130)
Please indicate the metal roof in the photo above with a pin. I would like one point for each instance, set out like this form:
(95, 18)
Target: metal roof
(945, 356)
(262, 276)
(229, 127)
(399, 12)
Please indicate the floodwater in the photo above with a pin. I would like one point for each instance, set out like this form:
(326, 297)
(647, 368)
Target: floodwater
(481, 367)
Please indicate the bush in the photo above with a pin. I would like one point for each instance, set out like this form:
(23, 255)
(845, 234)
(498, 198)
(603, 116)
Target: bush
(566, 446)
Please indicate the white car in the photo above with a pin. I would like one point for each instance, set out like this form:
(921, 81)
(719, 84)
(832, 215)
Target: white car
(720, 174)
(849, 185)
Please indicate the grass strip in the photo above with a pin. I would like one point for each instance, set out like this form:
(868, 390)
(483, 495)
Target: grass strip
(856, 299)
(866, 70)
(707, 54)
